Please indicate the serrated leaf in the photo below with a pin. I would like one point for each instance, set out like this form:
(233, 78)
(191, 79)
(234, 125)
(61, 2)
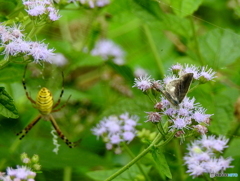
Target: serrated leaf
(161, 163)
(220, 48)
(129, 174)
(184, 8)
(7, 107)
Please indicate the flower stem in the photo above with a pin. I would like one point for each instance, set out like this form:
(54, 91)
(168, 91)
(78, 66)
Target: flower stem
(143, 153)
(138, 165)
(67, 173)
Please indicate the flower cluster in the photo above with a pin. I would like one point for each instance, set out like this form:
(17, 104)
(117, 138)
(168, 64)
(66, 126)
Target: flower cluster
(92, 3)
(41, 7)
(12, 40)
(116, 129)
(187, 114)
(108, 50)
(202, 74)
(22, 173)
(202, 156)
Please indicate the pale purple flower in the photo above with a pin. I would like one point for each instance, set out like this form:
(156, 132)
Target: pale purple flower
(128, 136)
(211, 142)
(204, 158)
(93, 3)
(6, 36)
(185, 114)
(39, 51)
(190, 69)
(200, 116)
(203, 74)
(177, 67)
(21, 172)
(115, 139)
(53, 15)
(38, 8)
(153, 117)
(168, 79)
(116, 129)
(108, 50)
(207, 74)
(143, 83)
(180, 123)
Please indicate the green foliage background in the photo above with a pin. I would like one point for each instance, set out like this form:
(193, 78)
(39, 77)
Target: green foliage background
(155, 35)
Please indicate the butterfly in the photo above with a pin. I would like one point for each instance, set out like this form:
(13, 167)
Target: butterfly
(176, 90)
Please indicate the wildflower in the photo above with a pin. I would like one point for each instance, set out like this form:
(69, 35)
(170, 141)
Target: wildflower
(21, 172)
(39, 51)
(92, 3)
(14, 45)
(206, 75)
(202, 156)
(153, 117)
(108, 50)
(116, 129)
(203, 74)
(143, 83)
(37, 8)
(184, 116)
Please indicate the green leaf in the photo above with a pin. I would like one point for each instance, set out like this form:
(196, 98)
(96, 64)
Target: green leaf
(130, 174)
(146, 10)
(11, 73)
(220, 48)
(7, 108)
(161, 163)
(184, 8)
(178, 25)
(123, 70)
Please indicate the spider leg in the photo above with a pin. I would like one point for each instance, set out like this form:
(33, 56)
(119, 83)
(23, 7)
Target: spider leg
(29, 127)
(56, 110)
(61, 94)
(61, 135)
(25, 87)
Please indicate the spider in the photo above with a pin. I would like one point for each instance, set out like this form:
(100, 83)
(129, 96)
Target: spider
(44, 104)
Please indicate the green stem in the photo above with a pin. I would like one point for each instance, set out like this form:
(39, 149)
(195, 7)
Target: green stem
(167, 141)
(138, 165)
(154, 50)
(179, 160)
(143, 153)
(161, 130)
(67, 173)
(31, 33)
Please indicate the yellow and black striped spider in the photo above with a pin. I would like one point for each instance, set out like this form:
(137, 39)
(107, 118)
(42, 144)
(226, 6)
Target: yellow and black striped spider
(44, 104)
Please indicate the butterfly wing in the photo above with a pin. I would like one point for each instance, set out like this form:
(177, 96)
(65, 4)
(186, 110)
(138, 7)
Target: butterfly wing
(176, 90)
(183, 86)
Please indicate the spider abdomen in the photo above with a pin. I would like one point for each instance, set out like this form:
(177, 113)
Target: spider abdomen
(44, 101)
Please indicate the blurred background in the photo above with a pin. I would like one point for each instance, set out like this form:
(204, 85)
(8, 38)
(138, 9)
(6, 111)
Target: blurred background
(150, 36)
